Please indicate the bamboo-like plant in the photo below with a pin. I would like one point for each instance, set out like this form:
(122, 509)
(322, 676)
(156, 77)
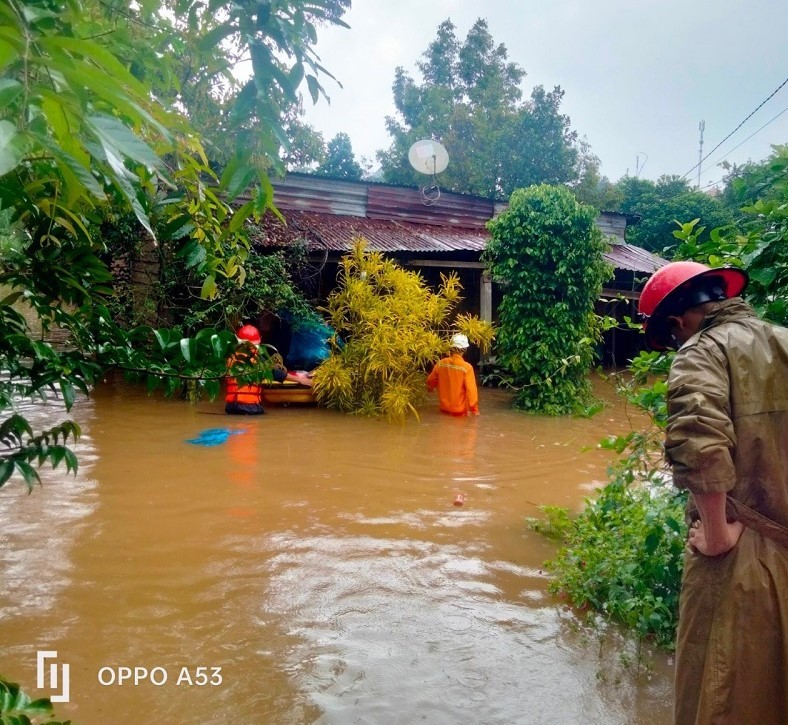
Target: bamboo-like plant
(389, 328)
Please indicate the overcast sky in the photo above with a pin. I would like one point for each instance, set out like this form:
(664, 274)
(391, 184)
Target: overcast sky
(639, 75)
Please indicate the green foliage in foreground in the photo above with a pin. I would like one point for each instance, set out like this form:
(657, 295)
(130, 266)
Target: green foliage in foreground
(16, 707)
(622, 556)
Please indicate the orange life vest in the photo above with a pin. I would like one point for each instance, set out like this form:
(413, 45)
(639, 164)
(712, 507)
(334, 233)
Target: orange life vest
(250, 394)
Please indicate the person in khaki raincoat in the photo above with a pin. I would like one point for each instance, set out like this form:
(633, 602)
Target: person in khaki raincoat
(727, 442)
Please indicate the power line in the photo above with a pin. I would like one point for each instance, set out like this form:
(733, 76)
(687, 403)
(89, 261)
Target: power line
(749, 116)
(728, 153)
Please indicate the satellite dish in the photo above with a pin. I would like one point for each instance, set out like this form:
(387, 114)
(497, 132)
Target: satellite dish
(428, 157)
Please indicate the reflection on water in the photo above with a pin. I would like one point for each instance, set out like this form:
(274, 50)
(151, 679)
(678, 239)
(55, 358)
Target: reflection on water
(318, 559)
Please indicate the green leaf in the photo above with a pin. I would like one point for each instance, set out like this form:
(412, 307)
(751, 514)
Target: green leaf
(80, 173)
(240, 216)
(120, 137)
(6, 469)
(10, 90)
(188, 349)
(196, 254)
(163, 338)
(11, 149)
(8, 54)
(244, 103)
(219, 345)
(56, 455)
(236, 178)
(72, 465)
(29, 474)
(67, 389)
(314, 88)
(212, 388)
(763, 276)
(209, 288)
(99, 55)
(212, 38)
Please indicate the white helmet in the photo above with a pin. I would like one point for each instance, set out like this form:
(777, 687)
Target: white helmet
(459, 341)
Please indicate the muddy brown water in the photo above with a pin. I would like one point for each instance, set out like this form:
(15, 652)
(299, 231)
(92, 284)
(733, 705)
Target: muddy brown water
(319, 560)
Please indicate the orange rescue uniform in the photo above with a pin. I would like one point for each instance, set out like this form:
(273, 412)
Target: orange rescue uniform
(456, 384)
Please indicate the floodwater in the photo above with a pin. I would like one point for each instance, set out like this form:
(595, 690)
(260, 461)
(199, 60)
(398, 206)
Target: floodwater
(319, 561)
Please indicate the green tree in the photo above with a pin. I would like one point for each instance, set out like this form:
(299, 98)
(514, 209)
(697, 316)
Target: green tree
(188, 54)
(752, 182)
(340, 162)
(269, 287)
(660, 205)
(470, 100)
(83, 130)
(547, 252)
(591, 187)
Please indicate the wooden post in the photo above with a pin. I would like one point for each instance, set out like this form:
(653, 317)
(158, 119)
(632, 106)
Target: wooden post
(485, 304)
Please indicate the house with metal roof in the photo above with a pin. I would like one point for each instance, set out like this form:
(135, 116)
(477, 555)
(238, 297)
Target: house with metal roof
(434, 232)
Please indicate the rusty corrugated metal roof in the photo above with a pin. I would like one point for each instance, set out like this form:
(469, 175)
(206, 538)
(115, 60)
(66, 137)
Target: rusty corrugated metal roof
(318, 194)
(634, 259)
(391, 202)
(336, 233)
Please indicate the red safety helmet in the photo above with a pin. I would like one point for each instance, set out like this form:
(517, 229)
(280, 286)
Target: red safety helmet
(249, 333)
(676, 287)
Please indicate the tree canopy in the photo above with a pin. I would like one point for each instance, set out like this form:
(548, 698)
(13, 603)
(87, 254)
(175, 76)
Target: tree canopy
(340, 161)
(470, 100)
(662, 203)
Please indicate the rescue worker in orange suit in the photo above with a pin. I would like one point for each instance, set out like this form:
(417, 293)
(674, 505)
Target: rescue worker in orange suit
(246, 399)
(455, 380)
(727, 442)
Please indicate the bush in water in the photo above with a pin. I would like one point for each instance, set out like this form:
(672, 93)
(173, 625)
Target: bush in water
(622, 556)
(389, 328)
(546, 251)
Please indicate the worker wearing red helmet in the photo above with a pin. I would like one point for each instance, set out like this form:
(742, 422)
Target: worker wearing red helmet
(727, 441)
(246, 399)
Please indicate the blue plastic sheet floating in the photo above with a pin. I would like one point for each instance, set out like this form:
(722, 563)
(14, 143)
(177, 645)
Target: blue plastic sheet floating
(214, 436)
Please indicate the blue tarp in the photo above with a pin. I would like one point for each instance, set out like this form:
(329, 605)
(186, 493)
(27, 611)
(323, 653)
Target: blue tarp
(308, 345)
(214, 436)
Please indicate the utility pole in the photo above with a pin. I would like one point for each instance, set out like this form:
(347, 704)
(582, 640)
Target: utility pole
(701, 128)
(638, 166)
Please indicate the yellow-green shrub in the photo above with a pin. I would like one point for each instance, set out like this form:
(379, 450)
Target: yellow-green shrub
(390, 328)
